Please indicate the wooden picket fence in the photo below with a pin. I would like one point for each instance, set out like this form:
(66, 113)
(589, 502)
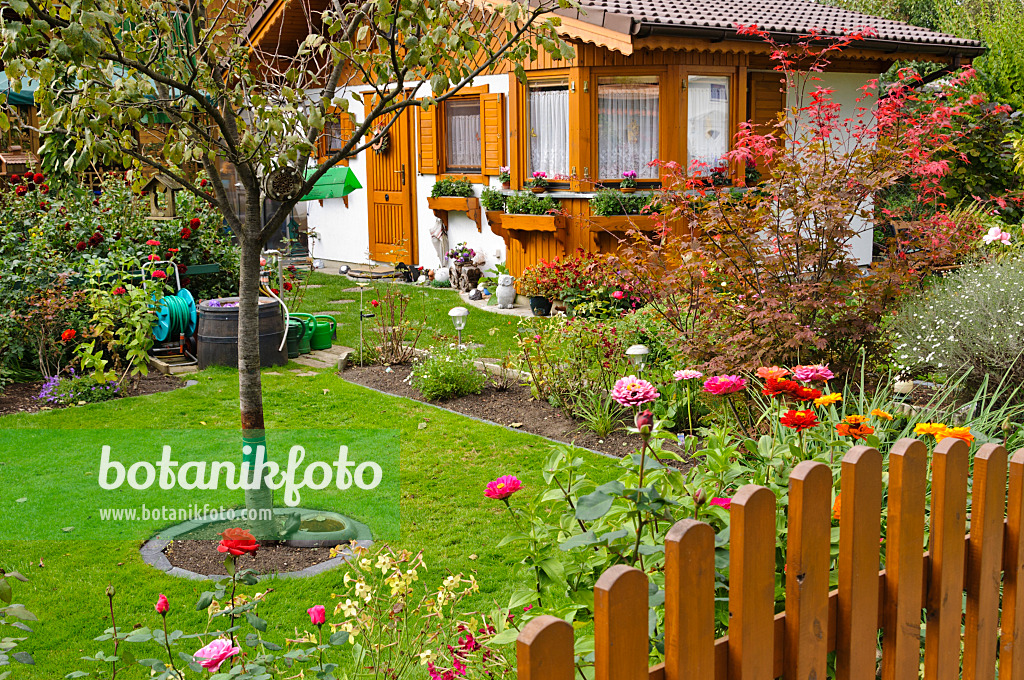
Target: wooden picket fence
(963, 635)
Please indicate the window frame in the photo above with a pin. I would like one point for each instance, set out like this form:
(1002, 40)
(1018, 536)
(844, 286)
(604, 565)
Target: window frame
(550, 78)
(734, 74)
(443, 171)
(664, 93)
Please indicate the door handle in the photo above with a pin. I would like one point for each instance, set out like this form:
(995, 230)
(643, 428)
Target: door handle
(402, 173)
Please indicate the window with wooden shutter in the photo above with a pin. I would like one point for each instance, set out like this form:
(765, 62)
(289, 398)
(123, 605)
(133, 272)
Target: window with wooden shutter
(492, 113)
(338, 130)
(429, 138)
(766, 100)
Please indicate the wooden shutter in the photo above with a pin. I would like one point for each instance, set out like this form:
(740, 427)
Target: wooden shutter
(344, 132)
(766, 100)
(429, 141)
(492, 132)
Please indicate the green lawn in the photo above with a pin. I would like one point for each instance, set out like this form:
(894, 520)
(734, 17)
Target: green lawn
(445, 462)
(428, 306)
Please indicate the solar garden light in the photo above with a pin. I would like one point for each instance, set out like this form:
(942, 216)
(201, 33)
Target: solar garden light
(458, 315)
(638, 355)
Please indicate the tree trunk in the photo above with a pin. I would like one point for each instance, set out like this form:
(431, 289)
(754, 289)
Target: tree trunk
(250, 388)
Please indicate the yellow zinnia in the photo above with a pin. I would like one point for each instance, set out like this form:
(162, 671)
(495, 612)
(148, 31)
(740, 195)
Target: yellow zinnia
(963, 433)
(884, 415)
(855, 419)
(828, 399)
(929, 428)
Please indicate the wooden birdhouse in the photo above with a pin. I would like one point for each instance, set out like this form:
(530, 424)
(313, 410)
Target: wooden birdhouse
(160, 190)
(15, 161)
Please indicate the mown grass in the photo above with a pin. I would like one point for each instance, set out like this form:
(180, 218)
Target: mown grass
(427, 307)
(445, 462)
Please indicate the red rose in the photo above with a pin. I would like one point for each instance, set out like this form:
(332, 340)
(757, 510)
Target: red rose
(186, 232)
(68, 334)
(15, 179)
(195, 222)
(237, 542)
(159, 274)
(287, 285)
(202, 182)
(120, 290)
(38, 178)
(80, 246)
(375, 303)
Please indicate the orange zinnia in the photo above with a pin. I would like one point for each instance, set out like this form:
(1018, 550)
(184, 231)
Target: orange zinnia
(857, 431)
(836, 505)
(962, 433)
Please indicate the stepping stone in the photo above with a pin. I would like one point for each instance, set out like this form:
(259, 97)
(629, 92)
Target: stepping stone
(340, 302)
(315, 362)
(314, 285)
(306, 374)
(272, 373)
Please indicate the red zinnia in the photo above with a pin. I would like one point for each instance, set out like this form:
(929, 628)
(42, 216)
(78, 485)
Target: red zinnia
(80, 246)
(15, 179)
(194, 222)
(38, 178)
(68, 334)
(799, 420)
(774, 387)
(120, 290)
(152, 242)
(806, 393)
(237, 542)
(186, 232)
(45, 188)
(21, 190)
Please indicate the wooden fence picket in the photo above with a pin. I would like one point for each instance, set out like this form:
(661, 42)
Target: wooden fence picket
(860, 516)
(987, 565)
(620, 624)
(807, 569)
(984, 563)
(1011, 641)
(752, 597)
(946, 560)
(690, 601)
(544, 650)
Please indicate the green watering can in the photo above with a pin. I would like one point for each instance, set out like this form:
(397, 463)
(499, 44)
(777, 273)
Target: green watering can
(324, 331)
(308, 324)
(296, 333)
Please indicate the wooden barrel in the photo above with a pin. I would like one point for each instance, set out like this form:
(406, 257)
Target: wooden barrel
(217, 337)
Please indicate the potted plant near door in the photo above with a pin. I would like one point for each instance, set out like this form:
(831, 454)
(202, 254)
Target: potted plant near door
(505, 177)
(534, 285)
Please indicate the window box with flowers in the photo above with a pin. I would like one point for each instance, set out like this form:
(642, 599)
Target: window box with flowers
(456, 195)
(526, 212)
(614, 212)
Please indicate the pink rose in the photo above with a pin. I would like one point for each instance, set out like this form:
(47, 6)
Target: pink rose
(214, 654)
(317, 615)
(722, 385)
(618, 295)
(724, 503)
(644, 421)
(161, 604)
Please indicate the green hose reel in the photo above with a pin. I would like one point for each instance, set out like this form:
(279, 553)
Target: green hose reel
(175, 315)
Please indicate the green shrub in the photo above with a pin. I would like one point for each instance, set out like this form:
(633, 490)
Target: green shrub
(529, 204)
(611, 202)
(971, 319)
(437, 283)
(447, 373)
(492, 199)
(451, 187)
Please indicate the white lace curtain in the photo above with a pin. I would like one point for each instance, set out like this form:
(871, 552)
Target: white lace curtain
(549, 131)
(462, 134)
(707, 137)
(627, 122)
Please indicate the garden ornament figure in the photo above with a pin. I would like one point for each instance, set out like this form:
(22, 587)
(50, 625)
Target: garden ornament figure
(506, 292)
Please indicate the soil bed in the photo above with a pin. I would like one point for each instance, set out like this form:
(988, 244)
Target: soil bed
(513, 408)
(21, 397)
(201, 557)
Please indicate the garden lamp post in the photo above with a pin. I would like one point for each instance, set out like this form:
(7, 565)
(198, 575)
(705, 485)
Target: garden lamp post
(638, 355)
(458, 315)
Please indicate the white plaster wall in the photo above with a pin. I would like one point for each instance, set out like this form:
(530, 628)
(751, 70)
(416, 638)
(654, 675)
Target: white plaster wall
(846, 90)
(343, 234)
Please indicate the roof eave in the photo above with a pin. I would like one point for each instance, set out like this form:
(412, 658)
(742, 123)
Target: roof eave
(643, 29)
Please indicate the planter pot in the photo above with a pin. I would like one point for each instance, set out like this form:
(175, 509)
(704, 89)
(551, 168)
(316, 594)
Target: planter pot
(627, 190)
(538, 190)
(506, 185)
(540, 305)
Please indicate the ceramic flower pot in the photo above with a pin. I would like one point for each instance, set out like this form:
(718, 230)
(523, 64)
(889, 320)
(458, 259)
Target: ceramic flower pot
(540, 305)
(538, 190)
(627, 190)
(506, 185)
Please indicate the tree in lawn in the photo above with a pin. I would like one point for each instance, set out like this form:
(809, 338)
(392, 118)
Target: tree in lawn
(113, 72)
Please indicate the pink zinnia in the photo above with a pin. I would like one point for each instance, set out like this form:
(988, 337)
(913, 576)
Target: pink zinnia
(814, 372)
(152, 242)
(214, 654)
(724, 503)
(766, 372)
(632, 391)
(502, 487)
(687, 374)
(618, 295)
(722, 385)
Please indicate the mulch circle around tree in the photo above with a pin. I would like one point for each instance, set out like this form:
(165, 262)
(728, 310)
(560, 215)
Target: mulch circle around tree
(513, 408)
(201, 557)
(21, 397)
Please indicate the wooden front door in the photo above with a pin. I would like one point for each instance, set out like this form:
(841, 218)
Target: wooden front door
(390, 177)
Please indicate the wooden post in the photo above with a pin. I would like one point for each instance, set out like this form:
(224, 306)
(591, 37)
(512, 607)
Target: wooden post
(690, 601)
(946, 564)
(1011, 644)
(984, 563)
(904, 562)
(544, 650)
(860, 513)
(807, 571)
(620, 624)
(752, 584)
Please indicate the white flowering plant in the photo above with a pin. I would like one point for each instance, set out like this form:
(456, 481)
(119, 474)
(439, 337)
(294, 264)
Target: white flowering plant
(447, 373)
